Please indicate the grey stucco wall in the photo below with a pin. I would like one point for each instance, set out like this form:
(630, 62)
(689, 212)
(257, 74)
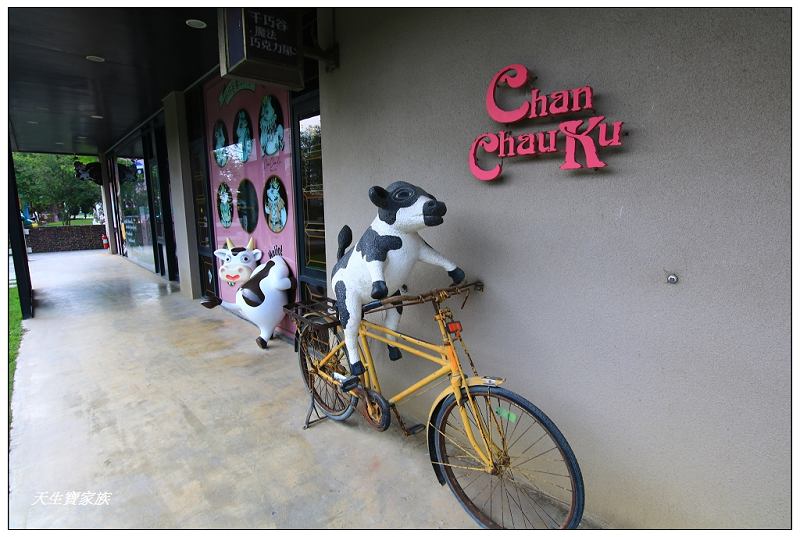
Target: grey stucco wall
(675, 398)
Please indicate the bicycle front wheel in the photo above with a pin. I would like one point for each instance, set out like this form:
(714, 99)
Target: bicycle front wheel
(314, 346)
(535, 481)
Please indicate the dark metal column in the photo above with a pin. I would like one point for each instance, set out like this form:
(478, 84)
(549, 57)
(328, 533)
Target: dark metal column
(17, 240)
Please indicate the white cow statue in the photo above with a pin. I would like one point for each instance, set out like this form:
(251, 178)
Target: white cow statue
(261, 298)
(382, 260)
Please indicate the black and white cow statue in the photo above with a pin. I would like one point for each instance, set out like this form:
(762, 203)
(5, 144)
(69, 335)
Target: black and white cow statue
(261, 295)
(381, 261)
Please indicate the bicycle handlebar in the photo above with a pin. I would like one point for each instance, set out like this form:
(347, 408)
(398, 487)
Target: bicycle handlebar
(438, 295)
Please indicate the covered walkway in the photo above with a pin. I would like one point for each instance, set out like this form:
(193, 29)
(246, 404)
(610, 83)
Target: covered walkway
(124, 386)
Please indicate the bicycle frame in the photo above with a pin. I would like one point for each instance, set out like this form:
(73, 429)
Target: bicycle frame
(443, 355)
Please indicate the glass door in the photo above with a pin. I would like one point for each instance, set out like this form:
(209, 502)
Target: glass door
(307, 130)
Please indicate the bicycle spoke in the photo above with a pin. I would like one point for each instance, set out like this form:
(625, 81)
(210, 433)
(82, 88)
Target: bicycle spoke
(537, 441)
(478, 495)
(531, 478)
(521, 510)
(465, 487)
(540, 491)
(460, 447)
(502, 508)
(473, 468)
(491, 497)
(510, 436)
(494, 419)
(540, 507)
(524, 433)
(550, 473)
(510, 510)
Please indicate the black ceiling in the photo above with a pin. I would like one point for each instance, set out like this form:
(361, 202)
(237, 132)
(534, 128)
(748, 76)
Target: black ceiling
(54, 90)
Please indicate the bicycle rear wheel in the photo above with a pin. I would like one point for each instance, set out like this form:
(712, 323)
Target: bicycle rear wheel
(536, 482)
(314, 345)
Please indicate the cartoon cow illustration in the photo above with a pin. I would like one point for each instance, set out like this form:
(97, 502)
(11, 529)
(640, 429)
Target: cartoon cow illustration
(382, 260)
(274, 206)
(260, 299)
(237, 263)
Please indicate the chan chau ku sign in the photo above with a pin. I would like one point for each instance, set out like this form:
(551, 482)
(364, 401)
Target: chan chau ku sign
(589, 134)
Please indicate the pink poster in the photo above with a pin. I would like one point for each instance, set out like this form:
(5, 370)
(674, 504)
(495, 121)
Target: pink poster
(249, 134)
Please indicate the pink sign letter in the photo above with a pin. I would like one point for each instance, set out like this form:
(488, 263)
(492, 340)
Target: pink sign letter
(516, 80)
(570, 128)
(491, 143)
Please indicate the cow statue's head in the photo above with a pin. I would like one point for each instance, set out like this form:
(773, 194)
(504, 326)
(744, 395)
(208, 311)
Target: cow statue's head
(237, 263)
(407, 207)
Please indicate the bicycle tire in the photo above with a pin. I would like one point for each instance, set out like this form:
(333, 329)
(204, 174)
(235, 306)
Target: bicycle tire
(312, 348)
(536, 496)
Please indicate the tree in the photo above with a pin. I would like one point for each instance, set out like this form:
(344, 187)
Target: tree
(48, 183)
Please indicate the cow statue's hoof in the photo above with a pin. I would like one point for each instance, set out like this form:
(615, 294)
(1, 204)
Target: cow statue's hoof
(357, 369)
(379, 289)
(261, 342)
(457, 275)
(394, 353)
(211, 302)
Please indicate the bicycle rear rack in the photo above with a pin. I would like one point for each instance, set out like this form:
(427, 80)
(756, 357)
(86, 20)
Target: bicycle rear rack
(319, 315)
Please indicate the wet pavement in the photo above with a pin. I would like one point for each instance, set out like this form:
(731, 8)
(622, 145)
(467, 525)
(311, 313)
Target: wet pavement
(137, 408)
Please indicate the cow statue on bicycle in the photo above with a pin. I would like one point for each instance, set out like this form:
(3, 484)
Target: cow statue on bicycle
(382, 259)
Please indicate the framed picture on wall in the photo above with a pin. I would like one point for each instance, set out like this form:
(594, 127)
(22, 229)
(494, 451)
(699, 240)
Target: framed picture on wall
(243, 135)
(220, 142)
(270, 126)
(276, 204)
(225, 205)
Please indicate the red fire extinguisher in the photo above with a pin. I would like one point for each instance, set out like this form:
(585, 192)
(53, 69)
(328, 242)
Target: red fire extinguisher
(105, 241)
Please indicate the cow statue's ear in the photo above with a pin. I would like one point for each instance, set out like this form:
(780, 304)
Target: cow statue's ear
(379, 197)
(257, 254)
(221, 253)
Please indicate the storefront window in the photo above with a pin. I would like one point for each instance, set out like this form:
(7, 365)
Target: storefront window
(311, 182)
(134, 205)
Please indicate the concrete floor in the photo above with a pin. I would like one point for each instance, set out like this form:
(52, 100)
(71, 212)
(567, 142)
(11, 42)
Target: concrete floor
(125, 386)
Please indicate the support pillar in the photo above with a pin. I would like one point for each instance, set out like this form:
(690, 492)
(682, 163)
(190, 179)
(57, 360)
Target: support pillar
(181, 194)
(108, 207)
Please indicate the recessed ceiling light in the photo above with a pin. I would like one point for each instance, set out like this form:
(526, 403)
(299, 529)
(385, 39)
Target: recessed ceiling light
(96, 117)
(81, 137)
(96, 59)
(33, 122)
(59, 143)
(196, 23)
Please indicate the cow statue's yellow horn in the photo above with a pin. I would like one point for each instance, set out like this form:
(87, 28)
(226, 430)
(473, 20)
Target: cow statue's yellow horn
(251, 244)
(229, 244)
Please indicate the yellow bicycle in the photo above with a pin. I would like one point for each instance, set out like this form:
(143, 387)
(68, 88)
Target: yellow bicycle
(506, 462)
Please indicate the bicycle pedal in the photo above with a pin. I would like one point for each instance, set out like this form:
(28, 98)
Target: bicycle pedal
(414, 429)
(349, 383)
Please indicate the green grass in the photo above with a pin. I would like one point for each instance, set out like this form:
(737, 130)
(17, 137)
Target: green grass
(75, 222)
(14, 337)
